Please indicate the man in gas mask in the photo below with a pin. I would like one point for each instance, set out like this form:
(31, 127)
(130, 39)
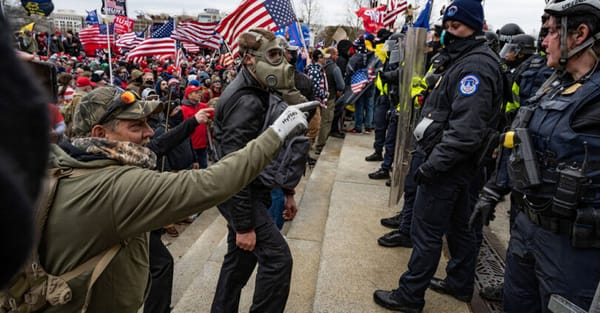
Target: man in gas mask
(253, 237)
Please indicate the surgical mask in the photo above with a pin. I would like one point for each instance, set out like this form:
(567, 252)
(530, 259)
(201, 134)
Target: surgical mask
(271, 69)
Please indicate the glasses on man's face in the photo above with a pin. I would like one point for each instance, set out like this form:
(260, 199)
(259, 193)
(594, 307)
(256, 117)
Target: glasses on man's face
(216, 81)
(121, 101)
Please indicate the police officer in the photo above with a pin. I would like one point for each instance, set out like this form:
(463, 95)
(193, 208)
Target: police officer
(528, 78)
(460, 110)
(555, 240)
(520, 48)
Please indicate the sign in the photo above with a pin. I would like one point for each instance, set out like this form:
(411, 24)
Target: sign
(212, 11)
(123, 24)
(114, 7)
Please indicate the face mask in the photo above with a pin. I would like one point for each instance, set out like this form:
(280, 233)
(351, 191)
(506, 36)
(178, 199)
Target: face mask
(271, 69)
(447, 38)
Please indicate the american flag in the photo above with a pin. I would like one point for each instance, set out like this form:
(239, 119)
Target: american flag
(192, 31)
(359, 80)
(190, 47)
(129, 41)
(268, 14)
(394, 8)
(159, 44)
(225, 59)
(92, 36)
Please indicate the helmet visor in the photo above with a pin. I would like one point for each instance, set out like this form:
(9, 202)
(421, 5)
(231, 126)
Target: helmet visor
(509, 49)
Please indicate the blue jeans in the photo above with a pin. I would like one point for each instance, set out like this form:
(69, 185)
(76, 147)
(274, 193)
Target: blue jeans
(277, 207)
(202, 157)
(364, 103)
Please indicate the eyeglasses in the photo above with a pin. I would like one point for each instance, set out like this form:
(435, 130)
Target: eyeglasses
(121, 101)
(216, 81)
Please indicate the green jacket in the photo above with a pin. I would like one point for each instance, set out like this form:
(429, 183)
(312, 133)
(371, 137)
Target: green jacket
(121, 204)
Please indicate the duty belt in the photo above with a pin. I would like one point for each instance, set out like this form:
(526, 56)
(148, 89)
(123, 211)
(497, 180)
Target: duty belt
(544, 217)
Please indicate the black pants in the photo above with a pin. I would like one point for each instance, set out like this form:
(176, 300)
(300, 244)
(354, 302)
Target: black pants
(161, 272)
(274, 272)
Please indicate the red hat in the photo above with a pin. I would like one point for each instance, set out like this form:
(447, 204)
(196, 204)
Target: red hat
(170, 69)
(218, 67)
(147, 70)
(83, 81)
(143, 64)
(189, 89)
(57, 32)
(159, 69)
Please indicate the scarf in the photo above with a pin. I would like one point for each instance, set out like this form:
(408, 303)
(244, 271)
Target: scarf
(125, 152)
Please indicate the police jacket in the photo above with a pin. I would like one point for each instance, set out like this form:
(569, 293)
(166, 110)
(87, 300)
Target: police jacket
(239, 118)
(119, 204)
(461, 108)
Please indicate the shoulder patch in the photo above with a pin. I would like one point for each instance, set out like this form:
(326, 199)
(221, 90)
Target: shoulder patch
(469, 85)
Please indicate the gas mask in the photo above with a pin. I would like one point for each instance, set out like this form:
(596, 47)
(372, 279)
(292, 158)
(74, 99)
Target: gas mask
(271, 68)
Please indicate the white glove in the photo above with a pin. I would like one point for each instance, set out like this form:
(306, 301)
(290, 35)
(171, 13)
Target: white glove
(291, 121)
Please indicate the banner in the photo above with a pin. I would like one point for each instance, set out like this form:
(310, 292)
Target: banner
(123, 24)
(372, 18)
(292, 34)
(92, 17)
(38, 7)
(114, 7)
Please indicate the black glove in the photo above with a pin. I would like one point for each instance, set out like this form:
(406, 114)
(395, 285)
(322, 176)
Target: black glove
(485, 208)
(425, 174)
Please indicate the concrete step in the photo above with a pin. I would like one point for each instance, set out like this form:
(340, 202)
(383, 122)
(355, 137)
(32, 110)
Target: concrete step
(193, 248)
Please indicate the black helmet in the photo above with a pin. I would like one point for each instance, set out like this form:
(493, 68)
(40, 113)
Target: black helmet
(492, 41)
(507, 31)
(520, 44)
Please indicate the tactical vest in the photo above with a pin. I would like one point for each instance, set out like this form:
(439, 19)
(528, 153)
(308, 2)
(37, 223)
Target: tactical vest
(560, 150)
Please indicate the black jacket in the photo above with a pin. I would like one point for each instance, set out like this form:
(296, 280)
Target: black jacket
(464, 105)
(175, 144)
(239, 118)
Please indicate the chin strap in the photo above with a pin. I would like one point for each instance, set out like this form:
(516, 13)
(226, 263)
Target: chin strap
(564, 55)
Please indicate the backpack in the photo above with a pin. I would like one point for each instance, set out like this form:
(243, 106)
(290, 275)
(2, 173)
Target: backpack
(33, 288)
(288, 167)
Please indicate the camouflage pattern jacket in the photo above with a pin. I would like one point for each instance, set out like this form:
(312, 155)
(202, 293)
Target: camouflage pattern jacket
(120, 204)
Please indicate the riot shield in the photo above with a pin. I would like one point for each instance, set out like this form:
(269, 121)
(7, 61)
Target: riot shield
(414, 67)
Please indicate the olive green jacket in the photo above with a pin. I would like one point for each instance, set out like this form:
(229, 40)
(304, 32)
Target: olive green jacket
(121, 204)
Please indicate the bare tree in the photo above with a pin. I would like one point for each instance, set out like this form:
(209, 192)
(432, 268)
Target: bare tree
(353, 5)
(309, 11)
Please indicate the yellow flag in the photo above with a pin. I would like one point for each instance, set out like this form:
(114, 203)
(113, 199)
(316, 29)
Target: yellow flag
(28, 27)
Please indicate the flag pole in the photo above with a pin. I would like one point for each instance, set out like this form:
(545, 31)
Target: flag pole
(110, 70)
(299, 29)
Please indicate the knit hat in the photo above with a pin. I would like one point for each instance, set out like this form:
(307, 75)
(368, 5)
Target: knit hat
(468, 12)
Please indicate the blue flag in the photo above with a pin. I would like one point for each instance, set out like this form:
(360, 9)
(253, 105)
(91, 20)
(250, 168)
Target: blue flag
(423, 19)
(102, 28)
(92, 17)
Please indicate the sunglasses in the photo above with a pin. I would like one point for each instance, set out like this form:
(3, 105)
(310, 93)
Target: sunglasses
(120, 102)
(216, 81)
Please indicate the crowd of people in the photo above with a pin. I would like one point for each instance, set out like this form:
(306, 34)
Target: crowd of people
(137, 147)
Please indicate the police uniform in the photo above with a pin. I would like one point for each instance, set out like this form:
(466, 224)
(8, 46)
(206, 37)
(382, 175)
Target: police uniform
(554, 248)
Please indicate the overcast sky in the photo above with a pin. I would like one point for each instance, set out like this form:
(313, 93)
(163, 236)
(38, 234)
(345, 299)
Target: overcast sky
(526, 13)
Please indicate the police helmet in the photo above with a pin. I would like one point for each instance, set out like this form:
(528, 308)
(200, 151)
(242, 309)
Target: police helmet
(492, 41)
(519, 44)
(507, 31)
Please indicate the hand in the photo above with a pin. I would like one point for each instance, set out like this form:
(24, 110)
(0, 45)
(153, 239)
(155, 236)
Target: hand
(203, 115)
(291, 122)
(195, 165)
(485, 208)
(425, 174)
(246, 241)
(290, 208)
